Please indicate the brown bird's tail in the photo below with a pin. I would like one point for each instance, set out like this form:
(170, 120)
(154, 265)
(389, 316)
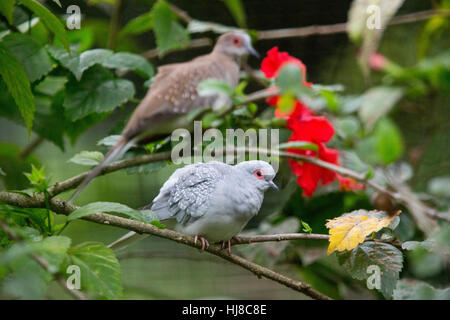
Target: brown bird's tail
(115, 153)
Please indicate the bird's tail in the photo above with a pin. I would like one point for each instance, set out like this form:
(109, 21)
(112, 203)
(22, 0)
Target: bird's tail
(115, 153)
(126, 240)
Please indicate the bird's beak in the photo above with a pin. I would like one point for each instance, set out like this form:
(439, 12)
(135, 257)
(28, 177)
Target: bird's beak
(252, 51)
(273, 185)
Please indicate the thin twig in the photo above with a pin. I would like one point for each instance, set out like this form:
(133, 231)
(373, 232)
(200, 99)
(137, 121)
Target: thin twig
(118, 165)
(195, 43)
(114, 25)
(31, 147)
(315, 30)
(181, 13)
(278, 237)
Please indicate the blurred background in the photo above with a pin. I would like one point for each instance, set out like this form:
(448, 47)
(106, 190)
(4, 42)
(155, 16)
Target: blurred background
(159, 269)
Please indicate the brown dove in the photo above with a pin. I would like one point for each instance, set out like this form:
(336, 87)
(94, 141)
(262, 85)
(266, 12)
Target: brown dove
(173, 94)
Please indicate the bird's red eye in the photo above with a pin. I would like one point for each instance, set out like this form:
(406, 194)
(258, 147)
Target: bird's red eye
(236, 41)
(259, 174)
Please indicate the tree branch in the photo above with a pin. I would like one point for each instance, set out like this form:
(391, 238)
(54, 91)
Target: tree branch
(278, 237)
(73, 182)
(342, 27)
(63, 207)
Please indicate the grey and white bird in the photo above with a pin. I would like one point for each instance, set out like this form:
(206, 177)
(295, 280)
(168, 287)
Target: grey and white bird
(211, 201)
(173, 94)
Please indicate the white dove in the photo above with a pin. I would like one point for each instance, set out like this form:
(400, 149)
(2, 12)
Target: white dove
(212, 201)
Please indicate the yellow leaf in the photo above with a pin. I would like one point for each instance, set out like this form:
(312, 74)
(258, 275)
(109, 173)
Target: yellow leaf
(351, 229)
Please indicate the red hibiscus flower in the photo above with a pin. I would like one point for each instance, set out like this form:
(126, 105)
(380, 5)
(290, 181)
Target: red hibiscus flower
(306, 126)
(275, 59)
(309, 175)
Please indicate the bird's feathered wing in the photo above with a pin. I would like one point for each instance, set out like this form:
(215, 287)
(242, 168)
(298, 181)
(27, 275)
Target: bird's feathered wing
(186, 195)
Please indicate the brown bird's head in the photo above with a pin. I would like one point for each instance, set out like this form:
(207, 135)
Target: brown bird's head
(235, 44)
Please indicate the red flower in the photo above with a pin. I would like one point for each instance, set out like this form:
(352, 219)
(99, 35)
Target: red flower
(309, 175)
(272, 64)
(307, 127)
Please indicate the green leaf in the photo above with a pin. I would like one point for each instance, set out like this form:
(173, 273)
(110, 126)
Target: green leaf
(388, 141)
(212, 86)
(7, 9)
(237, 11)
(305, 227)
(2, 173)
(27, 281)
(37, 178)
(31, 55)
(97, 92)
(109, 141)
(53, 250)
(298, 145)
(418, 290)
(169, 33)
(18, 85)
(377, 102)
(99, 268)
(125, 61)
(290, 80)
(78, 63)
(95, 207)
(388, 258)
(331, 99)
(49, 19)
(348, 127)
(51, 85)
(87, 158)
(138, 25)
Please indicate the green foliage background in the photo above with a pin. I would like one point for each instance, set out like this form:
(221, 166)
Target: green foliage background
(41, 95)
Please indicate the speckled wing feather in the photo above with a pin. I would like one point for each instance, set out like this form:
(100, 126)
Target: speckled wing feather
(174, 91)
(186, 196)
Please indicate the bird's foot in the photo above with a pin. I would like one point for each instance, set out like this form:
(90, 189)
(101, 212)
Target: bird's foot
(227, 245)
(205, 243)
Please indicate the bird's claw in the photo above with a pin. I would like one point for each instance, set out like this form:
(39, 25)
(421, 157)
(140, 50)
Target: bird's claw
(205, 243)
(226, 244)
